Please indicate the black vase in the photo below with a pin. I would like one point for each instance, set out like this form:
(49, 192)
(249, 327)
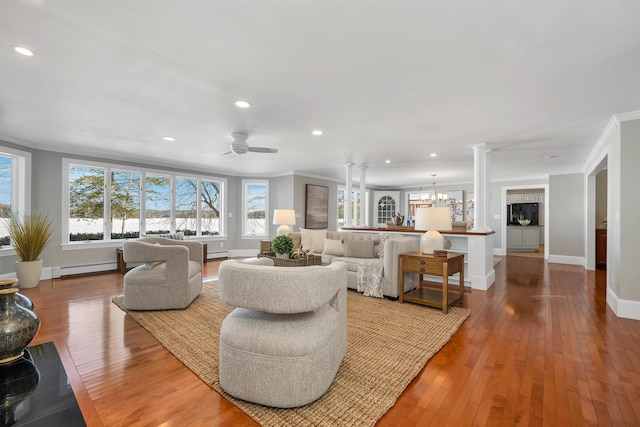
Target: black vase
(18, 325)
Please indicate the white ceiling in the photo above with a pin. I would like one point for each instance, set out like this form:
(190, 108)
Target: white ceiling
(385, 79)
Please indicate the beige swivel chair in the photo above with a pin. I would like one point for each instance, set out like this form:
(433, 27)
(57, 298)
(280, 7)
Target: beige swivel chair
(169, 278)
(283, 344)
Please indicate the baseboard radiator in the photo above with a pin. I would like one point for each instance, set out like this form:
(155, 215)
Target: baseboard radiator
(70, 270)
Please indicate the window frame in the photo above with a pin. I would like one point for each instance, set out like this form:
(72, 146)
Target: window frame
(244, 232)
(354, 206)
(108, 168)
(20, 186)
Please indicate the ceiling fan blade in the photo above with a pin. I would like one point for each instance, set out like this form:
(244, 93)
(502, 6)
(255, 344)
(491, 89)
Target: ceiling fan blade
(263, 150)
(228, 152)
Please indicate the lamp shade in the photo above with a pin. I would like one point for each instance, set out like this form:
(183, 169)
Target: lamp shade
(432, 220)
(284, 217)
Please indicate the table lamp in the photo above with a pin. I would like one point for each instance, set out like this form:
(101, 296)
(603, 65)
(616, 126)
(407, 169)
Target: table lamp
(284, 217)
(432, 220)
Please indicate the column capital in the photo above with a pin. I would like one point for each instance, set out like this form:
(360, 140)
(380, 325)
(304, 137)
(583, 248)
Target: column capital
(481, 147)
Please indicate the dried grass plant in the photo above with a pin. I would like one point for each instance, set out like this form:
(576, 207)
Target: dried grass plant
(30, 235)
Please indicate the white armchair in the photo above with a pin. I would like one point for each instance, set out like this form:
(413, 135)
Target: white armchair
(169, 278)
(283, 343)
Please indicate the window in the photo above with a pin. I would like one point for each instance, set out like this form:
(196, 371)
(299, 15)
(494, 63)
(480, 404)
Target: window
(136, 202)
(5, 197)
(157, 196)
(15, 188)
(86, 203)
(211, 207)
(255, 208)
(355, 207)
(186, 205)
(125, 204)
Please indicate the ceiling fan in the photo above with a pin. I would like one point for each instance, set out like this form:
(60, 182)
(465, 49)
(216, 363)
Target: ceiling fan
(239, 145)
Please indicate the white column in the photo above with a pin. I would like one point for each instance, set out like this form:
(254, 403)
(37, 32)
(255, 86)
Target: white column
(481, 187)
(363, 196)
(348, 206)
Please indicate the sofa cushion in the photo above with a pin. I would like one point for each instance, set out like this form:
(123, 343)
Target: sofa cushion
(313, 240)
(352, 263)
(359, 249)
(333, 247)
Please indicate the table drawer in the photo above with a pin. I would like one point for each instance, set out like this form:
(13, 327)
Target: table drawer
(417, 265)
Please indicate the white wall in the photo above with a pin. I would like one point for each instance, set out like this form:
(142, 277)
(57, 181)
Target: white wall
(566, 220)
(628, 171)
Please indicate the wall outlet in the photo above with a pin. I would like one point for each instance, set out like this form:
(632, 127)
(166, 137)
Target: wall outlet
(222, 244)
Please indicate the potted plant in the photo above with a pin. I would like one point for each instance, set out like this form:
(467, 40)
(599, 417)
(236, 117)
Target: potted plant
(29, 236)
(282, 245)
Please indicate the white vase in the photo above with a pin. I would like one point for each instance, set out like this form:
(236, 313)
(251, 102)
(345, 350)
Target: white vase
(28, 273)
(283, 256)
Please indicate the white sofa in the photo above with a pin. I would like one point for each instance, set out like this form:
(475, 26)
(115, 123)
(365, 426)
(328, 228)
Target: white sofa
(386, 246)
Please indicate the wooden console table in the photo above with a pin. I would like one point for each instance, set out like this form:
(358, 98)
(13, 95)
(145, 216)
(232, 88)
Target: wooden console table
(417, 262)
(122, 265)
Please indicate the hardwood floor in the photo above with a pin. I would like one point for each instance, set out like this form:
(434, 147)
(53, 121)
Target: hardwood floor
(540, 348)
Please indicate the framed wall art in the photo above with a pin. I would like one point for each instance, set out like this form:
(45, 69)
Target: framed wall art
(317, 207)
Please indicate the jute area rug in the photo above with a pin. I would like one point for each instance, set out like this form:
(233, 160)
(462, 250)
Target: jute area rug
(388, 345)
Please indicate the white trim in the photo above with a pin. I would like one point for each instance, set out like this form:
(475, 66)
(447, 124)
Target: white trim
(632, 115)
(483, 283)
(242, 253)
(564, 259)
(627, 309)
(503, 226)
(46, 274)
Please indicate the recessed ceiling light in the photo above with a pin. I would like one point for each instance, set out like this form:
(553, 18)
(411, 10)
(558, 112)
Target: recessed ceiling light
(387, 161)
(317, 132)
(432, 155)
(23, 51)
(168, 138)
(243, 104)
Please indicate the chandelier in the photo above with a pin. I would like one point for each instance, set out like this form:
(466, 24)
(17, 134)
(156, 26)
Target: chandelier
(434, 197)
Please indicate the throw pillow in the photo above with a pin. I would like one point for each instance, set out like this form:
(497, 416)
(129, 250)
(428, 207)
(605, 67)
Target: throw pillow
(313, 240)
(333, 247)
(359, 249)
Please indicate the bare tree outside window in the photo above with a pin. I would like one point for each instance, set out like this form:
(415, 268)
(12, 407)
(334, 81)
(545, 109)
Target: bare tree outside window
(5, 198)
(210, 208)
(86, 203)
(125, 204)
(158, 204)
(255, 209)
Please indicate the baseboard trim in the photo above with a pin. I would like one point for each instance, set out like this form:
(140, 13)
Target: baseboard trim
(242, 253)
(563, 259)
(627, 309)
